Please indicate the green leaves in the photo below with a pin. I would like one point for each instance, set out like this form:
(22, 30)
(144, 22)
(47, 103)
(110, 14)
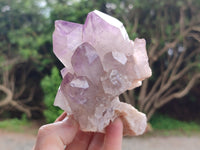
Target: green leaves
(50, 86)
(164, 122)
(23, 29)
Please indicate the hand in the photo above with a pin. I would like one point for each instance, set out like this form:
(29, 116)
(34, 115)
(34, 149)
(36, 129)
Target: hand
(65, 132)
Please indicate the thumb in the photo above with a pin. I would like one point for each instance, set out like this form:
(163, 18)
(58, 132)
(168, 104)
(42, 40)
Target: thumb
(56, 135)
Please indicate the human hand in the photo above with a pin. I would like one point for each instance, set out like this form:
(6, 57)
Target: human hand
(65, 132)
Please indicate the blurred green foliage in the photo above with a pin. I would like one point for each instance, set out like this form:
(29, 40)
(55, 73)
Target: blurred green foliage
(164, 122)
(22, 29)
(50, 86)
(15, 124)
(26, 30)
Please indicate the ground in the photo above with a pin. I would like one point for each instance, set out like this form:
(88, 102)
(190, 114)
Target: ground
(25, 141)
(162, 143)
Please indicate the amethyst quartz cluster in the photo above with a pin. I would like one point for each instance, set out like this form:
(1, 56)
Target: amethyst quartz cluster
(101, 62)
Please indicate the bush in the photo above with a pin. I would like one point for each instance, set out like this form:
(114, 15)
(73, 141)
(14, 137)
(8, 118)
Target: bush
(164, 122)
(50, 86)
(15, 124)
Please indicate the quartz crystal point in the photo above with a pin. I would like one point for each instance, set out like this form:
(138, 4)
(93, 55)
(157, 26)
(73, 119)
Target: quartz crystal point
(101, 62)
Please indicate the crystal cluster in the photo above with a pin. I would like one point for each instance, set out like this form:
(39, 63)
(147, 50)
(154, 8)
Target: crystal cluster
(101, 62)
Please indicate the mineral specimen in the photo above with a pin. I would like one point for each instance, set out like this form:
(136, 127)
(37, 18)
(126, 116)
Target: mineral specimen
(101, 62)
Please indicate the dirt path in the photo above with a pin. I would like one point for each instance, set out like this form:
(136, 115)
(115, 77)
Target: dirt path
(18, 141)
(162, 143)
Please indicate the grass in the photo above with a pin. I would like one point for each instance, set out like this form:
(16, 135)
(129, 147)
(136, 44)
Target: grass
(161, 124)
(168, 125)
(15, 124)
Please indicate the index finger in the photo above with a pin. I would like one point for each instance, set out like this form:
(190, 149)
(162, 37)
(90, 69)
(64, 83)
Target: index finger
(61, 117)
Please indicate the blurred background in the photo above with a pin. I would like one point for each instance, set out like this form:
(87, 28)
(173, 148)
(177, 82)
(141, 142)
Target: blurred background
(29, 71)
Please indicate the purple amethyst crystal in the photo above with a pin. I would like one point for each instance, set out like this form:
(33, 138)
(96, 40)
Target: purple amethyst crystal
(86, 62)
(66, 38)
(101, 62)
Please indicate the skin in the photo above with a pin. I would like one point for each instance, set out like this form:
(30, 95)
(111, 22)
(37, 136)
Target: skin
(65, 132)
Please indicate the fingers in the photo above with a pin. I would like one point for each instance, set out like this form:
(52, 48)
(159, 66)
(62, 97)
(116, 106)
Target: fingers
(61, 117)
(81, 141)
(97, 142)
(113, 136)
(56, 135)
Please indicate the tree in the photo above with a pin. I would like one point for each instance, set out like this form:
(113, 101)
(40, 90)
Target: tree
(26, 53)
(172, 31)
(22, 42)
